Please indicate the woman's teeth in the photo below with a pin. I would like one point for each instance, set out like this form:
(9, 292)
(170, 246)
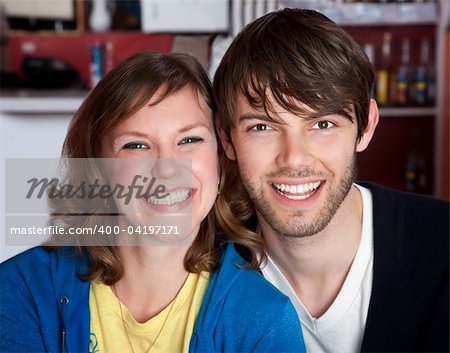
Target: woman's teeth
(171, 198)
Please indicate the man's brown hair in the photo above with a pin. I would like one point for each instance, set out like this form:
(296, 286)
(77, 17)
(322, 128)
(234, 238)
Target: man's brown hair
(298, 57)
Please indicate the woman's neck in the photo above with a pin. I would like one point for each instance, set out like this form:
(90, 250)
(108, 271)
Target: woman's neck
(153, 276)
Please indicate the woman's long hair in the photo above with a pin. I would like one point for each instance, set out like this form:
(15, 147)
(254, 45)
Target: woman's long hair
(119, 95)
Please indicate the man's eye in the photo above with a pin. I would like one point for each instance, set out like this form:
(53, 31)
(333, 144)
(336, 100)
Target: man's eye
(259, 127)
(135, 146)
(188, 140)
(323, 124)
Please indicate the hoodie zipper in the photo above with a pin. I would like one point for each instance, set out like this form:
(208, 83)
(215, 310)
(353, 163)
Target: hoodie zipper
(63, 340)
(63, 303)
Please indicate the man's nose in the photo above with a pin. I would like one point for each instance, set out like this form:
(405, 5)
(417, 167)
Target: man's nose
(295, 152)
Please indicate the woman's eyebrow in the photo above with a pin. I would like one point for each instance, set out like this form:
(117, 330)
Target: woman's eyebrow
(130, 133)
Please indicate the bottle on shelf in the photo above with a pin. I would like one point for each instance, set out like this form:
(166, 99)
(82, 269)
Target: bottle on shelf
(403, 76)
(422, 179)
(369, 49)
(384, 71)
(101, 61)
(97, 66)
(416, 179)
(421, 74)
(411, 171)
(415, 172)
(109, 57)
(99, 17)
(431, 86)
(431, 83)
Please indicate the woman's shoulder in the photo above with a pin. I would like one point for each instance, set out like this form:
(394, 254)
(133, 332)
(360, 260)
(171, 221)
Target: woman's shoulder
(23, 276)
(247, 285)
(250, 313)
(24, 259)
(39, 261)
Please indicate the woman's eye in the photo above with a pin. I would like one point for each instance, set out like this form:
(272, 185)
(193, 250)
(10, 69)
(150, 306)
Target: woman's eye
(259, 127)
(188, 140)
(135, 146)
(323, 124)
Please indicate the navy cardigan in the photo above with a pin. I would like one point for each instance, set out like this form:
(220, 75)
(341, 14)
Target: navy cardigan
(409, 305)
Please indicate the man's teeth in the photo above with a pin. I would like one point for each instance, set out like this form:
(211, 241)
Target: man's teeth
(172, 198)
(297, 189)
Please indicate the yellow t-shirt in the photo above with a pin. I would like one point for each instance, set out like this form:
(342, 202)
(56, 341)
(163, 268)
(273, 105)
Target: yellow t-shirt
(108, 334)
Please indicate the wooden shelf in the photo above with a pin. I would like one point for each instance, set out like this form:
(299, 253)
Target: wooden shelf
(386, 112)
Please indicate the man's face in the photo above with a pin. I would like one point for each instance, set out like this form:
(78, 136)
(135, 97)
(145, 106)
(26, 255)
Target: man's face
(297, 172)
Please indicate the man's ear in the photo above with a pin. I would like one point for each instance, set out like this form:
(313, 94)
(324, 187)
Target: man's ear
(225, 140)
(370, 128)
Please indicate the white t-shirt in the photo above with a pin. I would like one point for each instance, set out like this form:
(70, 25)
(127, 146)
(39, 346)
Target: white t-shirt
(341, 327)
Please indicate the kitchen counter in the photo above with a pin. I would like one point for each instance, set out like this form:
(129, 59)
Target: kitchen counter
(41, 101)
(33, 123)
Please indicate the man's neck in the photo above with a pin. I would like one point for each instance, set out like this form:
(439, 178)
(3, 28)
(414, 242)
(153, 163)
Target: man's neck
(316, 266)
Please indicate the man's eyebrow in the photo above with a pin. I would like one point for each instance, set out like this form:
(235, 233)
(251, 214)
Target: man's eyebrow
(255, 116)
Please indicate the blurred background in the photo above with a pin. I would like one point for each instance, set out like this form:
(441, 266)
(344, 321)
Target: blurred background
(52, 52)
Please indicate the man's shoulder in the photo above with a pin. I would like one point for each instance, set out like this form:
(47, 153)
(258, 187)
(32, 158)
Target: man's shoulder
(410, 273)
(411, 229)
(415, 207)
(383, 191)
(412, 226)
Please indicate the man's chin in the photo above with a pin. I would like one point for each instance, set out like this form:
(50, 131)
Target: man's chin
(298, 230)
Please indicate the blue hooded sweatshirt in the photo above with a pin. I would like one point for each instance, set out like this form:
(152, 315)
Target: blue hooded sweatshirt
(44, 307)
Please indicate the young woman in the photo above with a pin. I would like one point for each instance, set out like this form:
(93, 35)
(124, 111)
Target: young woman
(190, 292)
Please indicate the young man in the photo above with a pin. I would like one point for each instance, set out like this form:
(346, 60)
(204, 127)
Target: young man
(365, 267)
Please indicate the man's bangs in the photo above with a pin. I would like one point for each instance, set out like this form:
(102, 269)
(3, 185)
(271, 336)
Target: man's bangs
(265, 91)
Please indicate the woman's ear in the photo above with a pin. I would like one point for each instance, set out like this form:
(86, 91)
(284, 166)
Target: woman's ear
(370, 128)
(226, 141)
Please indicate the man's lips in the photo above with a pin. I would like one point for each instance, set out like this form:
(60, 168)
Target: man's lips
(300, 191)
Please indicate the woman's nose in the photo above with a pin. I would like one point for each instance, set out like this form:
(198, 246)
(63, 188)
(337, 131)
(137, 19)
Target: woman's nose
(165, 167)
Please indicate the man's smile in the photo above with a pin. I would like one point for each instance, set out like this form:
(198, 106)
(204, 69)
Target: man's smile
(296, 191)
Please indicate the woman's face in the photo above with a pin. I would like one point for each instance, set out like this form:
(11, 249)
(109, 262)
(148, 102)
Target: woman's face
(170, 150)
